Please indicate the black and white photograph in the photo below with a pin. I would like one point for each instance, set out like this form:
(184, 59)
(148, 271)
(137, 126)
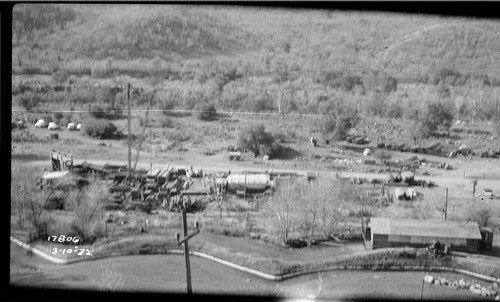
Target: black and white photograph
(254, 150)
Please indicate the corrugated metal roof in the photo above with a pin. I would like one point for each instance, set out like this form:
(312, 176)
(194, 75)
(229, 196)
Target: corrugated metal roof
(426, 228)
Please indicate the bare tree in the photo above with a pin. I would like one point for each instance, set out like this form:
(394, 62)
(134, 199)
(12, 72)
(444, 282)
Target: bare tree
(336, 195)
(87, 206)
(309, 208)
(282, 208)
(27, 201)
(479, 212)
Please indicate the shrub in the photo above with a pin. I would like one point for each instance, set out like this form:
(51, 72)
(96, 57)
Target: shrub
(208, 113)
(497, 128)
(29, 100)
(97, 127)
(87, 204)
(381, 83)
(443, 91)
(344, 124)
(395, 111)
(435, 116)
(60, 76)
(389, 84)
(257, 140)
(98, 112)
(57, 116)
(167, 105)
(347, 83)
(382, 155)
(337, 127)
(447, 75)
(328, 126)
(167, 123)
(421, 130)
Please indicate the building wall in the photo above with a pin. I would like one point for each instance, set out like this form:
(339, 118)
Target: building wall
(456, 244)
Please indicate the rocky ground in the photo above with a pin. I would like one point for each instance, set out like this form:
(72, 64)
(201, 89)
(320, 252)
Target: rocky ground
(475, 287)
(397, 135)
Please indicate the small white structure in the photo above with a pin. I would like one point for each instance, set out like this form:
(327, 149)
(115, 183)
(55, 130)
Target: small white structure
(53, 126)
(79, 126)
(411, 193)
(400, 194)
(313, 141)
(367, 152)
(48, 177)
(41, 124)
(71, 126)
(234, 155)
(488, 193)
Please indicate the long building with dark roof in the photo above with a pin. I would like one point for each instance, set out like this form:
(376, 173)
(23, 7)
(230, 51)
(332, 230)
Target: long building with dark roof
(460, 235)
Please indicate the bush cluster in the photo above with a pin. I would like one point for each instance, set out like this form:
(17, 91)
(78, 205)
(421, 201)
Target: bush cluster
(257, 140)
(29, 100)
(336, 127)
(435, 116)
(208, 113)
(98, 127)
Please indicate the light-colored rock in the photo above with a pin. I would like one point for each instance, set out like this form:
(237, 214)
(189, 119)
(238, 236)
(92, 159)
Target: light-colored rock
(454, 284)
(485, 292)
(461, 283)
(429, 279)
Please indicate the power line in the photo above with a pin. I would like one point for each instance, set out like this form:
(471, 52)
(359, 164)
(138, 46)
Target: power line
(41, 110)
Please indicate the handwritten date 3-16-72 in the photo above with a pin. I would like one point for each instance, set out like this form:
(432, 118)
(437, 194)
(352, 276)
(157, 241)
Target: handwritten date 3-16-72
(79, 252)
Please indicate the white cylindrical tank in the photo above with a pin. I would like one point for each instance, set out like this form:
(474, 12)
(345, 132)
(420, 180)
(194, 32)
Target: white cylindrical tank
(41, 124)
(53, 126)
(249, 179)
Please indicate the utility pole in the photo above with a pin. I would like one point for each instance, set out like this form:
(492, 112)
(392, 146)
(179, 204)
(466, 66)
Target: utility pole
(186, 247)
(129, 136)
(474, 183)
(496, 110)
(142, 134)
(362, 221)
(446, 205)
(422, 290)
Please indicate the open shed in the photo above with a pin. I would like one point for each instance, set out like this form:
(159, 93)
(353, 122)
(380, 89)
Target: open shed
(460, 235)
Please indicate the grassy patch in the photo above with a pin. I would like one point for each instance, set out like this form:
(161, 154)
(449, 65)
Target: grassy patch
(383, 258)
(485, 267)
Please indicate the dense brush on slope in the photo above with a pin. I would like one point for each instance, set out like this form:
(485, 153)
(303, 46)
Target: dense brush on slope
(401, 45)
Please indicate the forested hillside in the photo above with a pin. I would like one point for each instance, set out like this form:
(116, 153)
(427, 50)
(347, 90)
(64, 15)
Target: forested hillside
(262, 59)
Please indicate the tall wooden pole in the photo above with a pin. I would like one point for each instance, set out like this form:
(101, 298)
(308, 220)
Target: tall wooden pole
(496, 111)
(245, 192)
(142, 135)
(422, 290)
(129, 136)
(186, 252)
(446, 205)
